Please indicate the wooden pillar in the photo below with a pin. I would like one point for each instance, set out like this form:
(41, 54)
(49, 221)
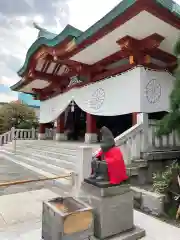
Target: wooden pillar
(60, 136)
(91, 129)
(134, 118)
(42, 129)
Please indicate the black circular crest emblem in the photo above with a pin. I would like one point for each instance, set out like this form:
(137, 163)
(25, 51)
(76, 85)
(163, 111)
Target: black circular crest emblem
(153, 91)
(97, 99)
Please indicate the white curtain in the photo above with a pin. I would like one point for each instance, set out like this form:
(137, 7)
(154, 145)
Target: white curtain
(52, 108)
(113, 96)
(156, 86)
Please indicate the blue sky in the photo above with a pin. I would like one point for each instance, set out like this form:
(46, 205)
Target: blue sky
(17, 32)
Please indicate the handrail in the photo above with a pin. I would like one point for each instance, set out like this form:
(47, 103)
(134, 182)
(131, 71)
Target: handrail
(131, 142)
(11, 183)
(17, 134)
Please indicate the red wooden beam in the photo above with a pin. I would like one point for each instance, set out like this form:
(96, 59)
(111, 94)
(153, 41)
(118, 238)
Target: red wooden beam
(49, 77)
(154, 53)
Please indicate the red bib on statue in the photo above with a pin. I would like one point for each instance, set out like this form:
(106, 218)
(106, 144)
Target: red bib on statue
(116, 165)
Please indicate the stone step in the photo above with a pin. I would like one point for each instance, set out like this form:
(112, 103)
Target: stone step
(161, 155)
(64, 155)
(141, 163)
(66, 164)
(65, 183)
(38, 164)
(54, 144)
(51, 148)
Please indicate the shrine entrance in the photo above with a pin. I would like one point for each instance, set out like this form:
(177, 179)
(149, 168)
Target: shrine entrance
(117, 124)
(75, 123)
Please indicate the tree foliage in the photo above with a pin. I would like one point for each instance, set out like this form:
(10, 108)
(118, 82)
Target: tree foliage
(172, 120)
(17, 115)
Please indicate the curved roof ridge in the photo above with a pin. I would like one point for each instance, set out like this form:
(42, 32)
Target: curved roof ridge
(68, 31)
(44, 32)
(80, 36)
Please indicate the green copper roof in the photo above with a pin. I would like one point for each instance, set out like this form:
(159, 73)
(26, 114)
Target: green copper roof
(43, 32)
(69, 31)
(17, 85)
(45, 37)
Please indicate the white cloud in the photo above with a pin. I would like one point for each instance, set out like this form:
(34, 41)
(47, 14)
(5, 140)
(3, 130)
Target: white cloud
(5, 97)
(83, 13)
(7, 81)
(17, 32)
(38, 19)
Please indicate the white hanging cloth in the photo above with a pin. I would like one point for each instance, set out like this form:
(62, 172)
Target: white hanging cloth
(52, 108)
(113, 96)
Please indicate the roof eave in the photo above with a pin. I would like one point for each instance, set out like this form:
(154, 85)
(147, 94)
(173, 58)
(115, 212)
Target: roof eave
(80, 37)
(68, 32)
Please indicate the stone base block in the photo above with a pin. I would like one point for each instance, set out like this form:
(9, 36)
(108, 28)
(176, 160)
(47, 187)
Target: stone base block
(133, 234)
(113, 209)
(91, 138)
(41, 136)
(107, 191)
(61, 137)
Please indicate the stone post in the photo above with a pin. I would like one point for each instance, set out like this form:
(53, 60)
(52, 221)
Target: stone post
(60, 136)
(83, 169)
(33, 133)
(91, 129)
(13, 136)
(144, 119)
(42, 129)
(12, 133)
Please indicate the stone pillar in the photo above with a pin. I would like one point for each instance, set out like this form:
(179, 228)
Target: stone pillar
(60, 136)
(91, 129)
(41, 134)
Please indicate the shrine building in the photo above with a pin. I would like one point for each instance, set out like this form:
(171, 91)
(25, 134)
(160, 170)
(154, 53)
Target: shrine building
(107, 75)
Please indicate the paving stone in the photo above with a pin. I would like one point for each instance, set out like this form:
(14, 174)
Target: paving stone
(31, 235)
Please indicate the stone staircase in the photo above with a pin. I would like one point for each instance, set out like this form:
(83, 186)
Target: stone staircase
(50, 158)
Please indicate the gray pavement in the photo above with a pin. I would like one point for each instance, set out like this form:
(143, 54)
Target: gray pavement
(21, 208)
(10, 171)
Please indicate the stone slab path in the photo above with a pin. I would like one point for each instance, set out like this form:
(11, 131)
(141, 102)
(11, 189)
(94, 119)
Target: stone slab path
(20, 218)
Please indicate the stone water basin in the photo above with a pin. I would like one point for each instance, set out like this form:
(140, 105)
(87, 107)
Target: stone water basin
(66, 218)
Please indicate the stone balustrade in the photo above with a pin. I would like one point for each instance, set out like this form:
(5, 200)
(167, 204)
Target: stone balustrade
(171, 141)
(132, 142)
(18, 134)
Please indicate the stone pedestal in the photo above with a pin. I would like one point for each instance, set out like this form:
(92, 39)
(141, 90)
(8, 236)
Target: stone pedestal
(61, 137)
(41, 136)
(91, 138)
(113, 211)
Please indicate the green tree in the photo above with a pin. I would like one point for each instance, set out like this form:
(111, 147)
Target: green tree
(171, 121)
(17, 115)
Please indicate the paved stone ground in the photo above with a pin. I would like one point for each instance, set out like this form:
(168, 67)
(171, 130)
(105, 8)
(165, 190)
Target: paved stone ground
(20, 213)
(20, 218)
(10, 171)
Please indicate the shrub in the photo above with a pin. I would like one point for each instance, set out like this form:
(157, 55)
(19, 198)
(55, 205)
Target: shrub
(162, 180)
